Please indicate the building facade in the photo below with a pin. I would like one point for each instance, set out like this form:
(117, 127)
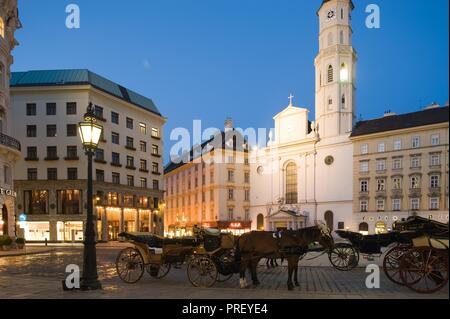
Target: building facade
(305, 168)
(51, 177)
(9, 146)
(401, 169)
(211, 188)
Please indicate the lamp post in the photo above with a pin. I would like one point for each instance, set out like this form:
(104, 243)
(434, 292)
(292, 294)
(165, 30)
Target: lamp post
(90, 133)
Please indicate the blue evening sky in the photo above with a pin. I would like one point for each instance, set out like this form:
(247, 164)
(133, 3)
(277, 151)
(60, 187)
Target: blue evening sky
(210, 59)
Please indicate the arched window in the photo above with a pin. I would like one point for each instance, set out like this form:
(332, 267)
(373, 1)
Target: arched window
(329, 219)
(291, 184)
(342, 13)
(330, 39)
(2, 28)
(260, 222)
(344, 73)
(363, 227)
(330, 74)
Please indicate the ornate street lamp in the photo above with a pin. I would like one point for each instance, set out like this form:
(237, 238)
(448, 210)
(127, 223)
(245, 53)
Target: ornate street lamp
(90, 133)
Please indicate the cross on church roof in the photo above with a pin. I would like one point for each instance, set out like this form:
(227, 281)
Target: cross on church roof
(291, 97)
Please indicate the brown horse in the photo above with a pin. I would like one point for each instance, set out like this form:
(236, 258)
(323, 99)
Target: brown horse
(289, 244)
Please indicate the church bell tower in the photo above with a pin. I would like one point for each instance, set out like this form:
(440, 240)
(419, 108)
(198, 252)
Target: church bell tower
(335, 70)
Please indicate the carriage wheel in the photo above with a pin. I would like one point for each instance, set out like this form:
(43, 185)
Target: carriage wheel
(158, 272)
(223, 278)
(391, 263)
(130, 265)
(424, 269)
(344, 257)
(202, 271)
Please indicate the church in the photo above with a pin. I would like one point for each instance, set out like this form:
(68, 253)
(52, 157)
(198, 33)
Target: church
(304, 174)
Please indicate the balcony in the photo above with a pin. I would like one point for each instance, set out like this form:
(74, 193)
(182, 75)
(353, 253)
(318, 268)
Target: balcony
(434, 192)
(10, 142)
(415, 192)
(397, 193)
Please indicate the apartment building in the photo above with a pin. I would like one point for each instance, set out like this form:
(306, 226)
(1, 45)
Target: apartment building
(401, 168)
(9, 146)
(210, 187)
(51, 177)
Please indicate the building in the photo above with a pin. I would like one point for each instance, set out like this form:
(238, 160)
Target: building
(401, 168)
(210, 187)
(305, 169)
(51, 177)
(9, 147)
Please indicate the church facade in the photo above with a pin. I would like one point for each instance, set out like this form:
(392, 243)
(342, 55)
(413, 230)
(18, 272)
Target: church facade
(304, 174)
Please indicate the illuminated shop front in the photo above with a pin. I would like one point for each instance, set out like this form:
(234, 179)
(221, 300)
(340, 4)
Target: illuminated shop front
(70, 231)
(36, 231)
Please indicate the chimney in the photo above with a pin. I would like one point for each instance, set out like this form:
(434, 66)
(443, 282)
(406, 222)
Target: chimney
(228, 123)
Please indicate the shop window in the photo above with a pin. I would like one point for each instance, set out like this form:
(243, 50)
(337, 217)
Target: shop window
(36, 202)
(69, 202)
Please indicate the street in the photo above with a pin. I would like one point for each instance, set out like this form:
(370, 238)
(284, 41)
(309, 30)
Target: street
(40, 275)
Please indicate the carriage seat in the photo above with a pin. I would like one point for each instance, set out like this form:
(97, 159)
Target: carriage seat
(425, 241)
(212, 232)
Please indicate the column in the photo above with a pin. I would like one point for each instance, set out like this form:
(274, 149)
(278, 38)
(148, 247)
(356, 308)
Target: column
(121, 222)
(136, 218)
(53, 231)
(104, 225)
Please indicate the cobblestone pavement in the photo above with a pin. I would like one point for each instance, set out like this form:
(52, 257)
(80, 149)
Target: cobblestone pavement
(39, 276)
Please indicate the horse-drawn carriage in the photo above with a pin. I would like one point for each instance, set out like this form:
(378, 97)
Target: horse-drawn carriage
(208, 254)
(417, 254)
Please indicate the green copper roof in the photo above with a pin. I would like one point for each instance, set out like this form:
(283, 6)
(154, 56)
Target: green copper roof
(82, 76)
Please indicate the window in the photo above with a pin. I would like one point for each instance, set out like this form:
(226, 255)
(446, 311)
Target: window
(396, 204)
(330, 74)
(247, 178)
(115, 178)
(52, 153)
(247, 214)
(51, 108)
(155, 184)
(130, 142)
(380, 205)
(435, 160)
(143, 182)
(115, 137)
(155, 168)
(415, 143)
(364, 186)
(397, 145)
(143, 146)
(115, 117)
(99, 155)
(415, 161)
(72, 152)
(414, 203)
(72, 173)
(381, 165)
(130, 161)
(143, 128)
(130, 180)
(381, 147)
(51, 130)
(52, 174)
(434, 203)
(363, 206)
(155, 132)
(130, 123)
(435, 139)
(128, 200)
(364, 149)
(291, 184)
(230, 194)
(71, 130)
(247, 195)
(115, 158)
(435, 181)
(32, 174)
(415, 182)
(113, 198)
(71, 108)
(36, 202)
(364, 167)
(203, 179)
(69, 202)
(31, 109)
(100, 175)
(230, 176)
(32, 153)
(143, 165)
(155, 149)
(397, 163)
(98, 111)
(381, 185)
(397, 183)
(7, 175)
(31, 131)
